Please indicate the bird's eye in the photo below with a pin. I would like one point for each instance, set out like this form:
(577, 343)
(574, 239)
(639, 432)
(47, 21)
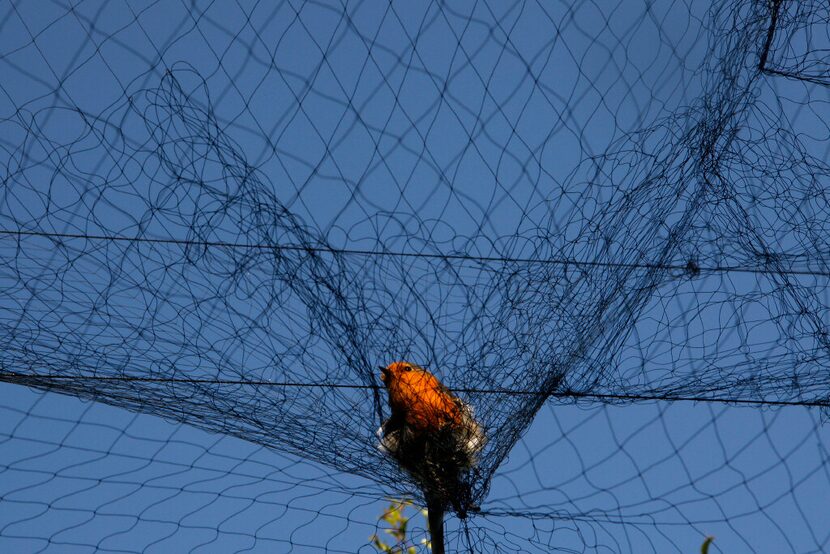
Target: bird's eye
(407, 368)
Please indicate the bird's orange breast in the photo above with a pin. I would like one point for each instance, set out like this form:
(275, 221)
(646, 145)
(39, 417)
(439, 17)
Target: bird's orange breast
(419, 398)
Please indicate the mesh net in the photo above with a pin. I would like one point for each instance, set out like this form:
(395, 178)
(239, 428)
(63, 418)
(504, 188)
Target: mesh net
(578, 215)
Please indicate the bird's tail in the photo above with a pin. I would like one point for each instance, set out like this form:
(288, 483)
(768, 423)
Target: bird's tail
(435, 519)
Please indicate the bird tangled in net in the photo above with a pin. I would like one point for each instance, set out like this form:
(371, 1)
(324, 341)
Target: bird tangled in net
(434, 436)
(227, 216)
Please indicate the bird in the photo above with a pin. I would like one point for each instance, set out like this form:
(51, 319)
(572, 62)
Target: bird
(434, 436)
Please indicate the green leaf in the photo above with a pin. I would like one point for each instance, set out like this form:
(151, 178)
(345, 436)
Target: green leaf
(394, 515)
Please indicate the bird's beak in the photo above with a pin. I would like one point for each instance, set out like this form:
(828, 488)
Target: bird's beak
(384, 373)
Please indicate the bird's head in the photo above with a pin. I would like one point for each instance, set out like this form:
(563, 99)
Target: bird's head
(392, 372)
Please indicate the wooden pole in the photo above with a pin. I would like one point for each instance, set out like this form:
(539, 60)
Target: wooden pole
(435, 519)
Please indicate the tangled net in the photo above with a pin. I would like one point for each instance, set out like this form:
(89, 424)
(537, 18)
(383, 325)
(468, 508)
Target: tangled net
(573, 214)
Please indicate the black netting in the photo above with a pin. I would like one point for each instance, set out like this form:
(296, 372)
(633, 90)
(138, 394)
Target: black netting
(578, 215)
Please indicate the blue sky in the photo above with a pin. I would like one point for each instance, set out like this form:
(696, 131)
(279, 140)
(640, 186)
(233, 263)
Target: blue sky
(481, 129)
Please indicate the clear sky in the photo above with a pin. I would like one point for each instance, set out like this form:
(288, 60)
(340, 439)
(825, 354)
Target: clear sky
(507, 131)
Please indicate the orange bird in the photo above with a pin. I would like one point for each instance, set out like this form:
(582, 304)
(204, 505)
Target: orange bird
(433, 435)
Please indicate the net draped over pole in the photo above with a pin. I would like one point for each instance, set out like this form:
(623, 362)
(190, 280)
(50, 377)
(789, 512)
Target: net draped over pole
(229, 216)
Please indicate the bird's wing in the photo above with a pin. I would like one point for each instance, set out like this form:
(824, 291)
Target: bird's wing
(472, 435)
